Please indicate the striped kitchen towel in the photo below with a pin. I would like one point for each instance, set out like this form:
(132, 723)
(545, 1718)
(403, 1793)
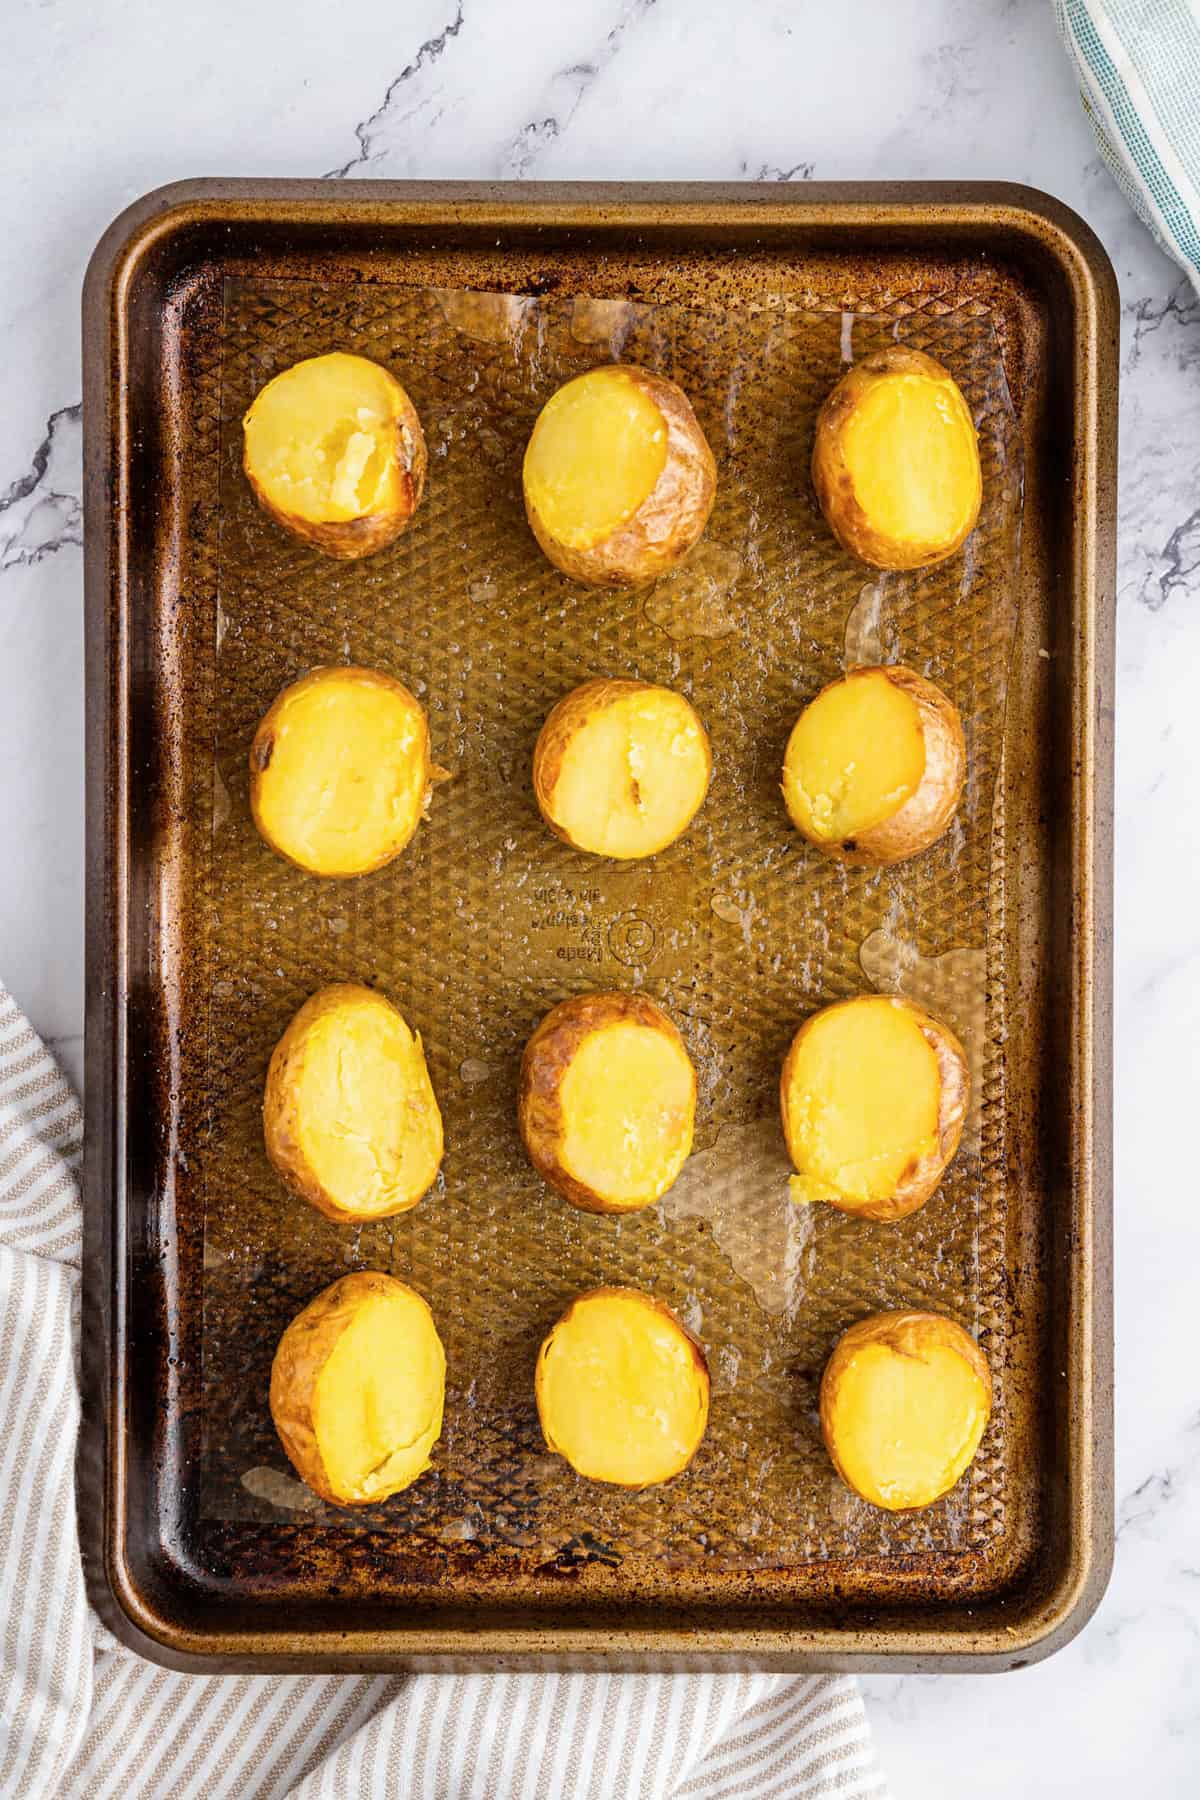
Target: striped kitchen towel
(1138, 67)
(81, 1718)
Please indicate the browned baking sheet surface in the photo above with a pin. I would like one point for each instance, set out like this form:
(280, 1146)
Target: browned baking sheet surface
(740, 929)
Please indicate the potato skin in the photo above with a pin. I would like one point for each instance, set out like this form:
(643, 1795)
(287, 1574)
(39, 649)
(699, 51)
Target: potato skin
(908, 1333)
(954, 1078)
(655, 1305)
(348, 539)
(831, 477)
(263, 744)
(927, 814)
(280, 1132)
(562, 722)
(546, 1059)
(303, 1351)
(672, 517)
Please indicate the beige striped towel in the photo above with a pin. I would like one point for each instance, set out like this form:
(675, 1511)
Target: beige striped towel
(83, 1719)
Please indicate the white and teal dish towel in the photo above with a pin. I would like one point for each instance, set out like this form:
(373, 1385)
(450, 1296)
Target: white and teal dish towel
(81, 1718)
(1137, 63)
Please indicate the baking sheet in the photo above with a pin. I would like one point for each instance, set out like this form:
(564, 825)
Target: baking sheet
(739, 930)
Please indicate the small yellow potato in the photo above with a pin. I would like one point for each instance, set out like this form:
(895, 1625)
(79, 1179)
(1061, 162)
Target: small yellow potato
(349, 1114)
(622, 1389)
(873, 1094)
(621, 768)
(896, 461)
(607, 1101)
(905, 1399)
(334, 451)
(875, 766)
(619, 479)
(340, 771)
(357, 1389)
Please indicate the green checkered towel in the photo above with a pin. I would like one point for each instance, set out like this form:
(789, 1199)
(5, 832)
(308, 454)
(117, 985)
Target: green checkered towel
(1138, 67)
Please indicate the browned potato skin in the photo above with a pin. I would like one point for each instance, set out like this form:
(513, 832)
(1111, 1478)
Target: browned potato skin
(348, 539)
(670, 520)
(693, 1342)
(264, 743)
(908, 1333)
(831, 479)
(547, 1057)
(565, 719)
(928, 813)
(303, 1351)
(926, 1173)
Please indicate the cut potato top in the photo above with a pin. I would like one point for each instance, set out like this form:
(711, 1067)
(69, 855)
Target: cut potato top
(358, 1388)
(340, 770)
(861, 1100)
(350, 1116)
(607, 1101)
(325, 440)
(628, 1100)
(377, 1404)
(621, 768)
(905, 1400)
(595, 454)
(622, 1389)
(856, 754)
(909, 444)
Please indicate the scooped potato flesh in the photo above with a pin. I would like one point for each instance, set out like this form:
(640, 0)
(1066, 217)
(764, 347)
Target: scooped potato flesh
(628, 1110)
(377, 1405)
(622, 1390)
(321, 437)
(912, 458)
(347, 773)
(906, 1423)
(633, 776)
(862, 1102)
(367, 1122)
(595, 454)
(856, 754)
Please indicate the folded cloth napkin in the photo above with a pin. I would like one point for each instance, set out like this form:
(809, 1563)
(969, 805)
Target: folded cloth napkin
(81, 1718)
(1138, 67)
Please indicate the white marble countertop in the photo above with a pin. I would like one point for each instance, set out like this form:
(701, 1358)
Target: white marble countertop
(102, 102)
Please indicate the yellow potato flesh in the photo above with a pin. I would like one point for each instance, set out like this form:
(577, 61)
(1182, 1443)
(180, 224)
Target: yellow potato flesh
(377, 1404)
(911, 455)
(596, 453)
(367, 1122)
(321, 437)
(628, 1105)
(855, 756)
(906, 1424)
(633, 776)
(862, 1102)
(621, 1392)
(348, 773)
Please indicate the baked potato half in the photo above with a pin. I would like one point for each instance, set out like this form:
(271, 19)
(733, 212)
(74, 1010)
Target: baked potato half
(873, 1094)
(621, 768)
(622, 1389)
(340, 770)
(350, 1118)
(875, 766)
(618, 477)
(905, 1400)
(333, 450)
(896, 461)
(357, 1389)
(607, 1101)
